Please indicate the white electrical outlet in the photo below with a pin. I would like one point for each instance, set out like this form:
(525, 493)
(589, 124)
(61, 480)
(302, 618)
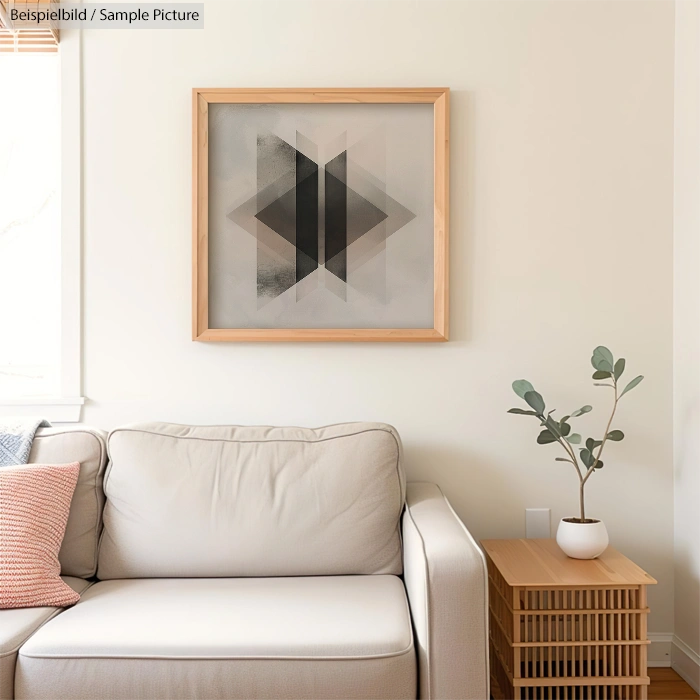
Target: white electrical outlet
(538, 523)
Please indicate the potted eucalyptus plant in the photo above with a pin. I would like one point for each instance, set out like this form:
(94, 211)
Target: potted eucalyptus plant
(581, 537)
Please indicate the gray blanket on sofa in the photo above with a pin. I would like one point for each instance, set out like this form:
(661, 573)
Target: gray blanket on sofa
(16, 437)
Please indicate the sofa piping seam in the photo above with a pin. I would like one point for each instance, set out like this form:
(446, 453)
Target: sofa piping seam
(59, 657)
(244, 442)
(428, 617)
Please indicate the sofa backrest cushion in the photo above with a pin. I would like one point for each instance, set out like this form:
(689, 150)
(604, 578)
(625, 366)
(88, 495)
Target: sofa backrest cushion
(78, 555)
(252, 501)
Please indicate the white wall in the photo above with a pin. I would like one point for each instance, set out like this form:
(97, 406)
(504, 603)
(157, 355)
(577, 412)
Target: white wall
(562, 206)
(686, 384)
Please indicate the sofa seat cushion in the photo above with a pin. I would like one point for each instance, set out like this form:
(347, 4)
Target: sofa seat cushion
(309, 637)
(16, 626)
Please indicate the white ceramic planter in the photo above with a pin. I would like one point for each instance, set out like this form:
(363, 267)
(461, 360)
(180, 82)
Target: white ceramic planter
(582, 540)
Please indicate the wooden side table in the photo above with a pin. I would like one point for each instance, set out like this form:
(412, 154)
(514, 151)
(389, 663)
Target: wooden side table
(565, 629)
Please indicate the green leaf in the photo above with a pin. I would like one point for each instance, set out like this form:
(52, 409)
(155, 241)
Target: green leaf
(600, 375)
(599, 464)
(521, 387)
(521, 412)
(564, 429)
(616, 435)
(586, 457)
(602, 359)
(535, 401)
(619, 368)
(591, 444)
(545, 438)
(561, 459)
(574, 438)
(601, 384)
(581, 411)
(631, 385)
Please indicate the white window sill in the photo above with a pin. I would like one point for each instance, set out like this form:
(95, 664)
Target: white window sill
(54, 409)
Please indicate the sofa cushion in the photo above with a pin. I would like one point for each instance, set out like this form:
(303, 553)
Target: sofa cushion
(243, 501)
(34, 503)
(16, 626)
(78, 555)
(308, 637)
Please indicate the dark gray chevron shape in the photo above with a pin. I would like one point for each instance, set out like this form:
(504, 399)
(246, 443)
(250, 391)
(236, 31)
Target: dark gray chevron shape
(306, 216)
(336, 216)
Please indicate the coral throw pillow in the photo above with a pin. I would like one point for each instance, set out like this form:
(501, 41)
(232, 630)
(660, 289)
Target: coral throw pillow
(34, 504)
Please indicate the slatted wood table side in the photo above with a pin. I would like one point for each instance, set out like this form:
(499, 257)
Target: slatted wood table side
(563, 628)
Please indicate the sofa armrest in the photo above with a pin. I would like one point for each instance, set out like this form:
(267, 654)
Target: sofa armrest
(446, 581)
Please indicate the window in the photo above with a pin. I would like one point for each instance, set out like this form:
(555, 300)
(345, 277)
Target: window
(40, 226)
(30, 226)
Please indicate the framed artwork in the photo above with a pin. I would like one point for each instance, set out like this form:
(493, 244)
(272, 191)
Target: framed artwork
(320, 215)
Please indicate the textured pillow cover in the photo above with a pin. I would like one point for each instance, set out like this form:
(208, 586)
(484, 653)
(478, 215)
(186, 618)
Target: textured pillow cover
(34, 504)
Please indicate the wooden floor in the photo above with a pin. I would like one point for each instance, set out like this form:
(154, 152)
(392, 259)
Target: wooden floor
(666, 684)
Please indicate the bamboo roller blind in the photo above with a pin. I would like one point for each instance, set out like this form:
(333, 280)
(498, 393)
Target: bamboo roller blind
(40, 39)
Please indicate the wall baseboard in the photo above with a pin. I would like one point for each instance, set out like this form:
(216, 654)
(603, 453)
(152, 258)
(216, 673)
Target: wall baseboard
(686, 663)
(659, 653)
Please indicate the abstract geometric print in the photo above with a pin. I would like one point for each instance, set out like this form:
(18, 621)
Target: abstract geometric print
(320, 216)
(307, 216)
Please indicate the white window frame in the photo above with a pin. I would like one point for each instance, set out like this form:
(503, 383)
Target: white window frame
(67, 406)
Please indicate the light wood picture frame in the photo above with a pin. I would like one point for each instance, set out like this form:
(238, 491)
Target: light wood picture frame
(205, 104)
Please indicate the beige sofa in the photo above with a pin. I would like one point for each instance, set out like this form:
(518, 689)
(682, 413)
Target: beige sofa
(242, 562)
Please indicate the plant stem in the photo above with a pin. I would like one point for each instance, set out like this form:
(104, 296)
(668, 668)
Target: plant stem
(572, 458)
(580, 501)
(605, 436)
(570, 451)
(600, 450)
